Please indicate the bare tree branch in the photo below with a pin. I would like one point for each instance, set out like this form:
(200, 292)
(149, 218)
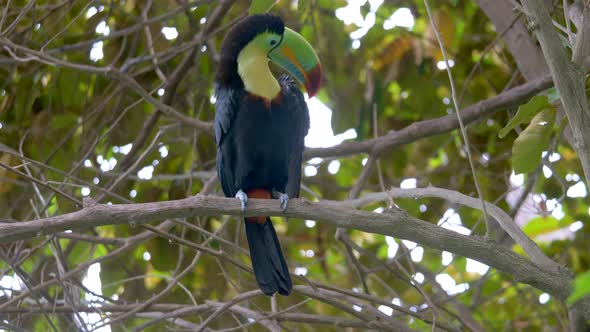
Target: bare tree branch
(530, 247)
(568, 77)
(421, 129)
(392, 222)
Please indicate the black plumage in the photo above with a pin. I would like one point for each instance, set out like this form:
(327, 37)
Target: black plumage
(259, 149)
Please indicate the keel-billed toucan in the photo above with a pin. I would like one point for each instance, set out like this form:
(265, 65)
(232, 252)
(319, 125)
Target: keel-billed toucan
(260, 126)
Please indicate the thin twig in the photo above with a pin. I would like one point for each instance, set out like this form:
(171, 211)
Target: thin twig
(461, 125)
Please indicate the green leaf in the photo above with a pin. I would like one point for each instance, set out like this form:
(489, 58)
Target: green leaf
(80, 253)
(581, 288)
(527, 148)
(541, 225)
(261, 6)
(525, 113)
(552, 95)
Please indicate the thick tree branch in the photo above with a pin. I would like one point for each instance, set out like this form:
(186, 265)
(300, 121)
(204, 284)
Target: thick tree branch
(581, 47)
(157, 310)
(393, 223)
(568, 77)
(444, 124)
(530, 247)
(525, 51)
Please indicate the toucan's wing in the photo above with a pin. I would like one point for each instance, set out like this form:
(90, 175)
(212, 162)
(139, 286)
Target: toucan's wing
(294, 100)
(226, 107)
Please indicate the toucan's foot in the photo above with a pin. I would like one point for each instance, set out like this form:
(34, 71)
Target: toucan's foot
(283, 198)
(243, 199)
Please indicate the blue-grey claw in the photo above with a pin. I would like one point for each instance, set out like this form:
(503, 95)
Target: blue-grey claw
(283, 198)
(243, 199)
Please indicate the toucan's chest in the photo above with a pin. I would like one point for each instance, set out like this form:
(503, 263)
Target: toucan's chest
(264, 136)
(261, 117)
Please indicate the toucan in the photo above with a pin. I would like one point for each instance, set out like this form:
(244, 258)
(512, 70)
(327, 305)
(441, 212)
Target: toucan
(260, 126)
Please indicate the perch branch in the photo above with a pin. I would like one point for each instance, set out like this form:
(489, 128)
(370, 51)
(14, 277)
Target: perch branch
(393, 222)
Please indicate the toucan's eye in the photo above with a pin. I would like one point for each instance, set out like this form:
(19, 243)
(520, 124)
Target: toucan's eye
(273, 42)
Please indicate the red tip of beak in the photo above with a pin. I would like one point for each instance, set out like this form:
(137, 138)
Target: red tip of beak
(313, 80)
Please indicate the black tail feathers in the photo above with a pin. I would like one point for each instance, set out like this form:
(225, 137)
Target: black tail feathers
(270, 268)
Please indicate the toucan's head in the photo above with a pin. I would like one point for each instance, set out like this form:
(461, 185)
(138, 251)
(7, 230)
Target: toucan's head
(265, 36)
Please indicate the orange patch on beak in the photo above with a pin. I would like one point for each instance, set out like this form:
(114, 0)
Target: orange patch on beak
(313, 78)
(288, 53)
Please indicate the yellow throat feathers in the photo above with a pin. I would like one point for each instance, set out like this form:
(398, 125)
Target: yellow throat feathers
(255, 73)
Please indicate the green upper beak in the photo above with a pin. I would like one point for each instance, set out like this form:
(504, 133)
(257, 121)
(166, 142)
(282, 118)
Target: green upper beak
(297, 56)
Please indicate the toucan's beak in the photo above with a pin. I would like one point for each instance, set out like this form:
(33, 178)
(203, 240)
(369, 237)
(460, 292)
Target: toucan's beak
(297, 56)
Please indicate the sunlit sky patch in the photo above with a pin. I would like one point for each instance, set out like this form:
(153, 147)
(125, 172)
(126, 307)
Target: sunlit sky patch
(409, 244)
(555, 208)
(577, 190)
(351, 14)
(476, 267)
(516, 180)
(9, 283)
(163, 151)
(307, 253)
(449, 285)
(124, 149)
(418, 277)
(333, 167)
(91, 11)
(452, 221)
(301, 271)
(96, 51)
(310, 171)
(416, 254)
(315, 161)
(447, 258)
(93, 283)
(392, 246)
(409, 183)
(401, 18)
(386, 310)
(320, 133)
(576, 226)
(443, 65)
(552, 157)
(547, 172)
(146, 173)
(169, 32)
(103, 29)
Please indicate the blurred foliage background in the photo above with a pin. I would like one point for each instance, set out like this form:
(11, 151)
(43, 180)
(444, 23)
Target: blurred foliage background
(70, 128)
